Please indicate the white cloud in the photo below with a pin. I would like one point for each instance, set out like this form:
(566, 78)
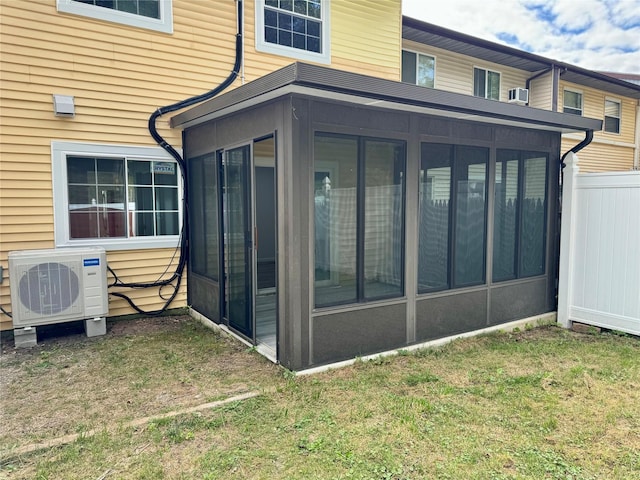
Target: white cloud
(593, 34)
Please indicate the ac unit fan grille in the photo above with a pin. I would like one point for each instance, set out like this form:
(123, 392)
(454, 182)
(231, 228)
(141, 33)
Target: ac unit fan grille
(49, 288)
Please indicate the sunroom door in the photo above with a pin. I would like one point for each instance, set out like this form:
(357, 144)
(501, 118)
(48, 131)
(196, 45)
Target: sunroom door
(238, 241)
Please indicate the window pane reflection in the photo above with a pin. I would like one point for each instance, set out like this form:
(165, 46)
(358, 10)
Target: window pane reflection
(383, 211)
(505, 217)
(471, 177)
(359, 219)
(533, 216)
(108, 195)
(335, 180)
(435, 195)
(519, 228)
(452, 221)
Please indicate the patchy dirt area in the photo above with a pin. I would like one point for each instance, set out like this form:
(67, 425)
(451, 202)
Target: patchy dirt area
(69, 333)
(69, 383)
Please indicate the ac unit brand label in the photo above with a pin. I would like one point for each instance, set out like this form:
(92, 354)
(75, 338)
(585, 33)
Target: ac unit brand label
(91, 262)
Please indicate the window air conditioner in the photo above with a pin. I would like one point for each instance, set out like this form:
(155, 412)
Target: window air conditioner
(54, 286)
(519, 95)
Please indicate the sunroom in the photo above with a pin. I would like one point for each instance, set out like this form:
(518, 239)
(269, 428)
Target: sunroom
(334, 215)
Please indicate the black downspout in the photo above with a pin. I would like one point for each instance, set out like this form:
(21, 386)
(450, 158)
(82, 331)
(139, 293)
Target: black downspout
(587, 140)
(184, 234)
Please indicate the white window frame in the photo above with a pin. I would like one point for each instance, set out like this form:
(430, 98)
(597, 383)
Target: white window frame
(486, 83)
(564, 105)
(417, 54)
(266, 47)
(163, 24)
(59, 153)
(619, 117)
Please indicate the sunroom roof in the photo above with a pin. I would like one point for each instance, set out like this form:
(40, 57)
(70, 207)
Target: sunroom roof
(363, 90)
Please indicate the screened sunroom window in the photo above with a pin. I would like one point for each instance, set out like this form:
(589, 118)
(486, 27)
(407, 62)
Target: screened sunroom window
(204, 238)
(452, 221)
(358, 218)
(519, 229)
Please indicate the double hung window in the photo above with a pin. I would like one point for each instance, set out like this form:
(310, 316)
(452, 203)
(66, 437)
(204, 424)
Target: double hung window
(294, 28)
(611, 116)
(572, 102)
(358, 218)
(418, 69)
(519, 229)
(452, 221)
(126, 197)
(486, 84)
(150, 14)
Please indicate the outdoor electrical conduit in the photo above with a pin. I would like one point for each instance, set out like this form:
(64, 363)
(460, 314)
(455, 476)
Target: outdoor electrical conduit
(184, 243)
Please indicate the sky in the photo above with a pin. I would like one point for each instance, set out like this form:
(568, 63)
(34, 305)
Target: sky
(601, 35)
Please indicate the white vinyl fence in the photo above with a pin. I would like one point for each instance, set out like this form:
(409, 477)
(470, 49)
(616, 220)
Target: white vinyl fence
(600, 249)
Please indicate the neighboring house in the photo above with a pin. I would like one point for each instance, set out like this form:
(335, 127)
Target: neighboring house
(120, 66)
(444, 59)
(627, 77)
(333, 210)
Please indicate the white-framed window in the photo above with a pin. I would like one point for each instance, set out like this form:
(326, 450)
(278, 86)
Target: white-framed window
(418, 69)
(115, 196)
(572, 102)
(150, 14)
(294, 28)
(486, 83)
(612, 110)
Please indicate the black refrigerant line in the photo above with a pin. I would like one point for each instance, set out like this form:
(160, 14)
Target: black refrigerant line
(183, 244)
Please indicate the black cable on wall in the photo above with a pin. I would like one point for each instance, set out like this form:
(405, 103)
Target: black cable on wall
(175, 279)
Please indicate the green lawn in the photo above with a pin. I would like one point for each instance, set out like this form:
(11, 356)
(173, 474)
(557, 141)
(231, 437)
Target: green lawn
(544, 403)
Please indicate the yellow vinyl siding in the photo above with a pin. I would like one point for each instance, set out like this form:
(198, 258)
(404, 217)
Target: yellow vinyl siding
(454, 72)
(142, 266)
(541, 92)
(365, 38)
(119, 75)
(599, 156)
(608, 151)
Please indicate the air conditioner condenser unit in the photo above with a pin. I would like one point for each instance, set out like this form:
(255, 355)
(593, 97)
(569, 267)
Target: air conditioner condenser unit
(55, 286)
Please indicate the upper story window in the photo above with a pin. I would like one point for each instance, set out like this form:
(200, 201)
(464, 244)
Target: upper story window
(294, 28)
(151, 14)
(116, 197)
(611, 116)
(486, 84)
(572, 102)
(418, 69)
